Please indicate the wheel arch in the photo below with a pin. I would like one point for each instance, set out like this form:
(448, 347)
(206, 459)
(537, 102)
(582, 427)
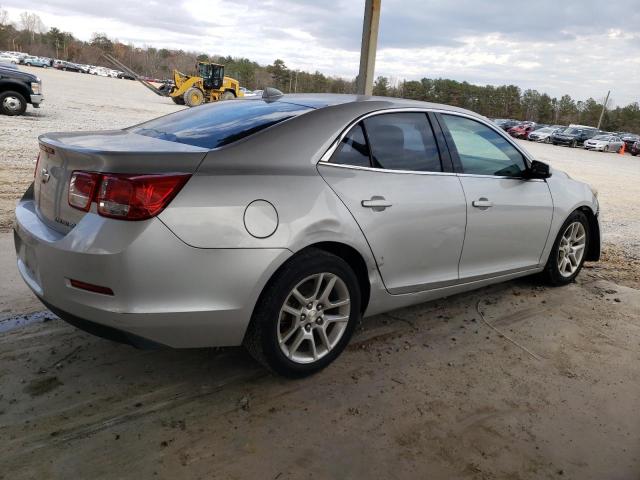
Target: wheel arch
(593, 253)
(346, 252)
(18, 87)
(355, 260)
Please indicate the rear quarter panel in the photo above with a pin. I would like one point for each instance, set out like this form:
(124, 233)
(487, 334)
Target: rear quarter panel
(277, 165)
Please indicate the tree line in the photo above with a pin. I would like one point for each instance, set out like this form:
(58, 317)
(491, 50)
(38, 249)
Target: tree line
(30, 35)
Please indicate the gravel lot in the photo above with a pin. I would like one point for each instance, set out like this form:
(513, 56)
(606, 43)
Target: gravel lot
(73, 101)
(430, 391)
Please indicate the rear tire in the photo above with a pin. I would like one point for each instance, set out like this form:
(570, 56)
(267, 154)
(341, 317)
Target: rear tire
(296, 338)
(193, 97)
(574, 144)
(547, 140)
(12, 103)
(568, 248)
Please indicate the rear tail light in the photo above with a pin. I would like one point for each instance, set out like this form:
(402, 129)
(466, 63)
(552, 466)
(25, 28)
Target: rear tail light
(122, 196)
(82, 188)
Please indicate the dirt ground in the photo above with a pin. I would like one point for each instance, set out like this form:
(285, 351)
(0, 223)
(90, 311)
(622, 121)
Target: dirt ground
(432, 391)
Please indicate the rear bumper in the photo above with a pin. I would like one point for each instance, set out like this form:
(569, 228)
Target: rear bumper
(164, 291)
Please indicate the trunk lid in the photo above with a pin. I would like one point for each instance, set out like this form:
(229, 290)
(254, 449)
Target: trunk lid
(117, 151)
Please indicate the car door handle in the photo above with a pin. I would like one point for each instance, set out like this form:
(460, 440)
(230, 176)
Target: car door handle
(482, 203)
(376, 203)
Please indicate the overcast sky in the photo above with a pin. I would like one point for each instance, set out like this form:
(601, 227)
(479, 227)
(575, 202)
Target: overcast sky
(580, 47)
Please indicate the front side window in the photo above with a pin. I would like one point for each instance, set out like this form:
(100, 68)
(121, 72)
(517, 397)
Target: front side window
(402, 141)
(353, 149)
(483, 151)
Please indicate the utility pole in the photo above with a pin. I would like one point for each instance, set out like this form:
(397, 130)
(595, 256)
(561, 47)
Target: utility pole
(604, 106)
(368, 49)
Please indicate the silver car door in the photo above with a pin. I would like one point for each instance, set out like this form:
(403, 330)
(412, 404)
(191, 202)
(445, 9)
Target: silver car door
(387, 170)
(508, 216)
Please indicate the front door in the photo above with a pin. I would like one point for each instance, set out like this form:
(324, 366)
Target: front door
(508, 216)
(388, 173)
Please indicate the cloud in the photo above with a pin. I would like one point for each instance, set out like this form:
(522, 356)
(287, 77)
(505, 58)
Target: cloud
(581, 48)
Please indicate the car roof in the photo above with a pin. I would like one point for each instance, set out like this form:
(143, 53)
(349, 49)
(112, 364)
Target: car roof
(323, 100)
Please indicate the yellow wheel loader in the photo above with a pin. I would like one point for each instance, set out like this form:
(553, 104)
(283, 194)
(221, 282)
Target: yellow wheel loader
(209, 85)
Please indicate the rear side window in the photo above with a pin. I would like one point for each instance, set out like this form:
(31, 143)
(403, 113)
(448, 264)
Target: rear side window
(218, 124)
(353, 149)
(402, 141)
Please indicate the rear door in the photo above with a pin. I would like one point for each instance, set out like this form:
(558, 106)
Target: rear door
(508, 216)
(388, 172)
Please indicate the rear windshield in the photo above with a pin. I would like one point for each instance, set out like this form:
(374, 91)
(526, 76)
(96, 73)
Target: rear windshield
(218, 124)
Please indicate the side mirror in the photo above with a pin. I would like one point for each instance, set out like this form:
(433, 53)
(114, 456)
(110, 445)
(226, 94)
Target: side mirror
(538, 170)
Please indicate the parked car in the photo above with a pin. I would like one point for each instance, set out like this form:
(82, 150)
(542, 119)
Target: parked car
(17, 89)
(506, 124)
(248, 93)
(542, 134)
(9, 59)
(277, 223)
(126, 76)
(604, 143)
(66, 66)
(521, 131)
(35, 62)
(573, 136)
(629, 139)
(635, 148)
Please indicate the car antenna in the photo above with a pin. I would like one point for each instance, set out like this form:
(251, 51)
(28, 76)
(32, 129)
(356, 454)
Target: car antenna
(271, 94)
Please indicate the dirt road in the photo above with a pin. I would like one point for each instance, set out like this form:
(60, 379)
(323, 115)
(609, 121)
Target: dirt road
(431, 391)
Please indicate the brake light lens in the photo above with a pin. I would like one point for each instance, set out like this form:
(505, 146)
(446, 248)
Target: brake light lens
(123, 196)
(82, 188)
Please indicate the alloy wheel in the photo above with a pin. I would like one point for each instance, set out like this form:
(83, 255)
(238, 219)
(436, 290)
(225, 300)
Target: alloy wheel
(314, 317)
(571, 249)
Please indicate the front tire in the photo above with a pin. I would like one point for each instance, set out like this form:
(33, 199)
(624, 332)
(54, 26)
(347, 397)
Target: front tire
(12, 103)
(227, 96)
(306, 314)
(569, 251)
(193, 97)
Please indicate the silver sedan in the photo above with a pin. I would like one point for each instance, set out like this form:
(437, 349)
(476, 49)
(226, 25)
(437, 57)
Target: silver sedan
(604, 143)
(278, 223)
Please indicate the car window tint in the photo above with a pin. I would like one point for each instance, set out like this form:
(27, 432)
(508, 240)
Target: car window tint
(217, 124)
(483, 151)
(402, 141)
(353, 149)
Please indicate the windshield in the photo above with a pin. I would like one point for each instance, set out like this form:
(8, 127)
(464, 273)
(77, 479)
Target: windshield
(220, 123)
(601, 137)
(571, 131)
(545, 130)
